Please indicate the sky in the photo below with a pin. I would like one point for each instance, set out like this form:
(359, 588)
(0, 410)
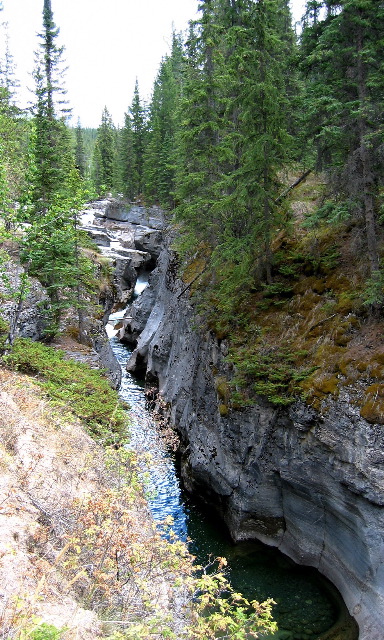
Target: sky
(107, 46)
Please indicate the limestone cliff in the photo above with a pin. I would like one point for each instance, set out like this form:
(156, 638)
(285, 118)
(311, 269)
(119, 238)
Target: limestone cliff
(308, 481)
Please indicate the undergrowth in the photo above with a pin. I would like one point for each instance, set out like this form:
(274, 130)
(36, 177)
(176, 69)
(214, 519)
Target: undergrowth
(287, 337)
(72, 385)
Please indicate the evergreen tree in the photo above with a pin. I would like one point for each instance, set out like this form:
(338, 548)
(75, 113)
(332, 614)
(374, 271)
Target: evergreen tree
(126, 159)
(50, 248)
(104, 155)
(163, 124)
(80, 158)
(197, 162)
(51, 145)
(138, 124)
(234, 136)
(343, 64)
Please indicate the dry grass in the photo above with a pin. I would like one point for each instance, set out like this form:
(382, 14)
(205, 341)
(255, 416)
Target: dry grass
(40, 475)
(54, 479)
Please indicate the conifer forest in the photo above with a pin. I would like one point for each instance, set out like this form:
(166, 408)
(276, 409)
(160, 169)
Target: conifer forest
(241, 106)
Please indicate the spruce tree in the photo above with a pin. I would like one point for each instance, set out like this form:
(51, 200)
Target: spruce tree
(138, 124)
(234, 136)
(104, 161)
(344, 69)
(51, 147)
(126, 159)
(80, 158)
(50, 247)
(163, 124)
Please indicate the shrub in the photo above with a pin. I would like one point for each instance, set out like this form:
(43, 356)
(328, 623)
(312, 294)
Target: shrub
(46, 632)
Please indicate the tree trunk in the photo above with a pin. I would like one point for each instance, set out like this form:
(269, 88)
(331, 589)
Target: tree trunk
(367, 178)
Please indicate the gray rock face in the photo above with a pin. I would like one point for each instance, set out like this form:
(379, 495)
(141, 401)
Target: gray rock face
(31, 322)
(150, 240)
(101, 238)
(310, 484)
(120, 211)
(137, 314)
(107, 358)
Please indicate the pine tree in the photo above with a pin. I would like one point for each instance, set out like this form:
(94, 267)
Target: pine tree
(197, 162)
(138, 123)
(126, 159)
(51, 146)
(14, 129)
(234, 137)
(104, 163)
(163, 123)
(50, 247)
(80, 158)
(343, 64)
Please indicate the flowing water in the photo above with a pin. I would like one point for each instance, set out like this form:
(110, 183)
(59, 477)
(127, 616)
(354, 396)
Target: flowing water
(305, 607)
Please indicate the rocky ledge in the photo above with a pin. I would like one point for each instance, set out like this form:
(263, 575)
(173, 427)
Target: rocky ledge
(310, 483)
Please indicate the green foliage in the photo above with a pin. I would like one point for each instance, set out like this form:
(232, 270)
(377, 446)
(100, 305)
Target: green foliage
(74, 386)
(233, 137)
(331, 211)
(160, 154)
(214, 610)
(4, 332)
(343, 72)
(46, 632)
(132, 143)
(272, 372)
(373, 294)
(104, 155)
(80, 157)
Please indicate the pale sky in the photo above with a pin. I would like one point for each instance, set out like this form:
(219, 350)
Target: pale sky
(107, 45)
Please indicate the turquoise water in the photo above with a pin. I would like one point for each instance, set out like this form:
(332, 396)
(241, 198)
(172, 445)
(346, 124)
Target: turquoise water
(304, 607)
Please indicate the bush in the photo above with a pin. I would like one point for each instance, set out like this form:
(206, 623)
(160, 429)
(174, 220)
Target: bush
(46, 632)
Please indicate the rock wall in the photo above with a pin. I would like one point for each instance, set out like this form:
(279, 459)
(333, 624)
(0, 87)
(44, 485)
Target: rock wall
(31, 319)
(309, 483)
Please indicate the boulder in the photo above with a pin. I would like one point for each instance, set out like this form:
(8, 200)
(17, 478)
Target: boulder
(149, 240)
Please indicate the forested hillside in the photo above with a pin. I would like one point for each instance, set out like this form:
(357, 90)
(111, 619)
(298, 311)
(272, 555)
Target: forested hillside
(265, 148)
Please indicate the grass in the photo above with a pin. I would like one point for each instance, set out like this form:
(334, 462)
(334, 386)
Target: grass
(74, 386)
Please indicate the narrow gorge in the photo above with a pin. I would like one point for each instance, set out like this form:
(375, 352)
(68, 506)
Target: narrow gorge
(305, 481)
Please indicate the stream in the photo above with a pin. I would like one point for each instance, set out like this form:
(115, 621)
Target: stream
(305, 607)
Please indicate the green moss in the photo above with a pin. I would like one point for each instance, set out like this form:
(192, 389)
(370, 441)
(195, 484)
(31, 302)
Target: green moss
(346, 303)
(376, 371)
(326, 385)
(222, 388)
(343, 366)
(223, 410)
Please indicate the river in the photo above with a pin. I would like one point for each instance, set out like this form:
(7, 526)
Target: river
(304, 608)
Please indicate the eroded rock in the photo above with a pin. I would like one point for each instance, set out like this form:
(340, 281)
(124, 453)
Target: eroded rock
(309, 483)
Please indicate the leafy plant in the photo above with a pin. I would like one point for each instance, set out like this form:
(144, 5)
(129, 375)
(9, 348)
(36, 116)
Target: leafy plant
(270, 372)
(46, 632)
